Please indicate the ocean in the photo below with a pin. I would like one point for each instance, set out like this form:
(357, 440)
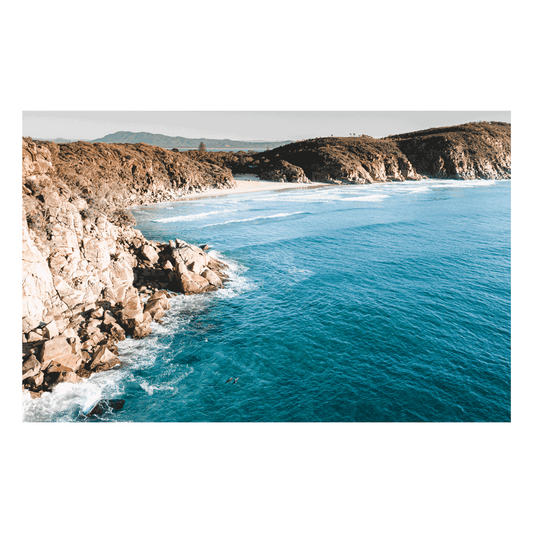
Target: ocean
(373, 303)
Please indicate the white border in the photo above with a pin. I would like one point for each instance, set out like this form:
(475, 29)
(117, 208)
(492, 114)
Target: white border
(517, 100)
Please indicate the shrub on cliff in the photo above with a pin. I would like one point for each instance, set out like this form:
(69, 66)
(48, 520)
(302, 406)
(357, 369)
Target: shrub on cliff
(122, 217)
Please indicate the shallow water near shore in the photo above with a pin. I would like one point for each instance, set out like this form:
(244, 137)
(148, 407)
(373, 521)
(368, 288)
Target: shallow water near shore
(375, 303)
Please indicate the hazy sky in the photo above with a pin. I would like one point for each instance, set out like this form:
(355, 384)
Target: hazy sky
(244, 125)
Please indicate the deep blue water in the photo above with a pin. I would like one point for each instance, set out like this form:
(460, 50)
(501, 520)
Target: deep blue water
(374, 303)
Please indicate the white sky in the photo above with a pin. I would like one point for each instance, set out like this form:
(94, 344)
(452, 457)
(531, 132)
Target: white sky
(244, 125)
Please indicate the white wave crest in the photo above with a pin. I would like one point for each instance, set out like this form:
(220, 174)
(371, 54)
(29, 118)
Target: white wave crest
(196, 216)
(237, 221)
(417, 190)
(370, 198)
(463, 184)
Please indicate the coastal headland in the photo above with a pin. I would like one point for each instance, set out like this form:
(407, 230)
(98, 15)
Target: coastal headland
(89, 278)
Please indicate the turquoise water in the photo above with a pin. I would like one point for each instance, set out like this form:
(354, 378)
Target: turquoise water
(374, 303)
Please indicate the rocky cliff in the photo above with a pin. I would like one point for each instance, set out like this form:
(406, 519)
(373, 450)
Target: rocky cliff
(469, 151)
(88, 278)
(341, 160)
(120, 175)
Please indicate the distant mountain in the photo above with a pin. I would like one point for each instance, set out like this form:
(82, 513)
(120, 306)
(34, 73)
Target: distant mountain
(60, 140)
(164, 141)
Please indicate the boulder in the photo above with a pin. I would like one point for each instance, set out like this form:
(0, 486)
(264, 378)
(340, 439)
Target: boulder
(60, 352)
(158, 314)
(141, 330)
(157, 302)
(132, 312)
(70, 333)
(212, 278)
(152, 306)
(97, 313)
(103, 356)
(197, 267)
(215, 264)
(189, 254)
(34, 336)
(30, 367)
(105, 406)
(116, 332)
(163, 296)
(69, 377)
(108, 318)
(200, 281)
(148, 253)
(50, 330)
(35, 381)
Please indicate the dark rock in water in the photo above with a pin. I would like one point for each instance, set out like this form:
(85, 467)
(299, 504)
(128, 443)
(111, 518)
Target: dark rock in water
(106, 406)
(205, 247)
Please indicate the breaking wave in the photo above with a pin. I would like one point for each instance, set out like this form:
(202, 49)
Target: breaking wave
(237, 221)
(371, 198)
(196, 216)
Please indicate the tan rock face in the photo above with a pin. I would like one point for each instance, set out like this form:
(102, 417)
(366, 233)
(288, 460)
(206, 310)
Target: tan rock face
(38, 292)
(69, 377)
(103, 356)
(212, 278)
(149, 253)
(59, 352)
(50, 330)
(470, 151)
(31, 367)
(133, 311)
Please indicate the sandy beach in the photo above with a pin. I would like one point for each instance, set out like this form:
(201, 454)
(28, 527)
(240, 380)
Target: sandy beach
(249, 186)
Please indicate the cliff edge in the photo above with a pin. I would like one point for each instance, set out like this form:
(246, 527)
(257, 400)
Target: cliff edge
(88, 278)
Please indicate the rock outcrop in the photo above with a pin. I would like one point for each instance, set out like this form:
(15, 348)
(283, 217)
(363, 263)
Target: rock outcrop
(87, 282)
(343, 160)
(283, 172)
(470, 151)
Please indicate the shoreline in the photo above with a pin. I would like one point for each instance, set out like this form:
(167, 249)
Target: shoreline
(251, 186)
